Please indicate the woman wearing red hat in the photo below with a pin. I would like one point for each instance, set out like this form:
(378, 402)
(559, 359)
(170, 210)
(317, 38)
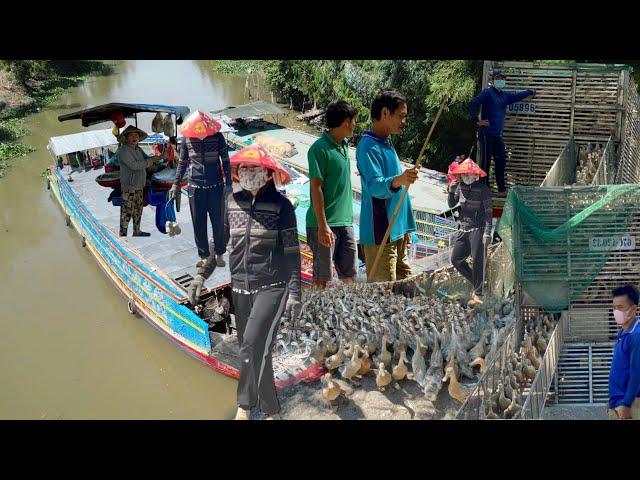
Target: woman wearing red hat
(204, 151)
(264, 260)
(475, 219)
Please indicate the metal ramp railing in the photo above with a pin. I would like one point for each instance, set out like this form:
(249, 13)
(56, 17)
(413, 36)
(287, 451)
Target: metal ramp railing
(535, 402)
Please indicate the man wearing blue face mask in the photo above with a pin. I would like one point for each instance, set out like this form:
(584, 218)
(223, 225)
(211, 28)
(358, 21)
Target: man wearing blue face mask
(624, 377)
(494, 100)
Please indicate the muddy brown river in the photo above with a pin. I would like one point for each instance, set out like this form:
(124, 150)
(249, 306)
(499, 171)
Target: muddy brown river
(69, 349)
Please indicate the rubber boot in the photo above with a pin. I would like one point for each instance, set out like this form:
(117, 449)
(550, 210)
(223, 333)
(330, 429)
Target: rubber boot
(220, 261)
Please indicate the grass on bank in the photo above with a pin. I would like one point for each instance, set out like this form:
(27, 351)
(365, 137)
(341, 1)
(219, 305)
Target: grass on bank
(48, 90)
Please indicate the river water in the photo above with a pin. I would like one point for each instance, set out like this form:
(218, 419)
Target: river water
(69, 349)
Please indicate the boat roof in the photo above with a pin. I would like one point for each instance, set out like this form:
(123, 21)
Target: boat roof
(428, 194)
(78, 142)
(102, 113)
(254, 109)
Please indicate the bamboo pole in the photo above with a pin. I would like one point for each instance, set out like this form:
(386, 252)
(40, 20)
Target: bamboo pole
(404, 192)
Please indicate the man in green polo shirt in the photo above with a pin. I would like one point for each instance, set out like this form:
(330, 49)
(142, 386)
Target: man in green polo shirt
(330, 232)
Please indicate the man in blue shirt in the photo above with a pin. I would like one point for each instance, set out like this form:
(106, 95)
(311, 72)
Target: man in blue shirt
(382, 179)
(624, 377)
(494, 101)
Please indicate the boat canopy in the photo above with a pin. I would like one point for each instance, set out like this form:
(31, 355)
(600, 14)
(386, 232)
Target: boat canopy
(82, 141)
(255, 109)
(103, 113)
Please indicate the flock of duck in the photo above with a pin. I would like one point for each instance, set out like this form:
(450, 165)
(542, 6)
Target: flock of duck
(359, 329)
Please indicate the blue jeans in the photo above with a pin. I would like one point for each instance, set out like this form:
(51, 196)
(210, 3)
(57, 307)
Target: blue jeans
(207, 202)
(492, 146)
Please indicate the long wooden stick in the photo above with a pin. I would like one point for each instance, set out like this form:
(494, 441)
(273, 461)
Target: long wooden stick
(404, 193)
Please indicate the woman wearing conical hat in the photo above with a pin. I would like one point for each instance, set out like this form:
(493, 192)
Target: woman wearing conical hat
(265, 271)
(475, 220)
(205, 153)
(133, 175)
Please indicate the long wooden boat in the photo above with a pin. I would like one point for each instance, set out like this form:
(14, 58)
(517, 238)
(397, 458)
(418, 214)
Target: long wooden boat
(154, 273)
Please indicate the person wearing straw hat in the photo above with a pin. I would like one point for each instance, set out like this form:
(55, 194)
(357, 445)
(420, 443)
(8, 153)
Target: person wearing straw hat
(382, 180)
(133, 176)
(204, 151)
(474, 233)
(265, 271)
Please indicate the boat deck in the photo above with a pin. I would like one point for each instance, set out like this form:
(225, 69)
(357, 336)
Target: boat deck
(173, 257)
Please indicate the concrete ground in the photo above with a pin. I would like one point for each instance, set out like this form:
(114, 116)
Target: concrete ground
(564, 412)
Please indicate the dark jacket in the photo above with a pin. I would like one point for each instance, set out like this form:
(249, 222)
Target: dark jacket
(204, 158)
(475, 205)
(264, 240)
(494, 107)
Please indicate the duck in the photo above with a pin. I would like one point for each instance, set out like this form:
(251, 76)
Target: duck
(319, 351)
(399, 346)
(532, 355)
(365, 360)
(331, 391)
(385, 355)
(479, 349)
(400, 370)
(490, 414)
(488, 405)
(513, 407)
(372, 345)
(457, 391)
(418, 366)
(332, 346)
(503, 401)
(541, 343)
(352, 365)
(433, 378)
(528, 370)
(514, 382)
(335, 360)
(461, 355)
(383, 378)
(518, 373)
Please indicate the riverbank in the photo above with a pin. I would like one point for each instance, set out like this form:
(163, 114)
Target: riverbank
(16, 104)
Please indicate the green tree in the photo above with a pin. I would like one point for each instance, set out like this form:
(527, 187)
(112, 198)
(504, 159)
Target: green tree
(358, 81)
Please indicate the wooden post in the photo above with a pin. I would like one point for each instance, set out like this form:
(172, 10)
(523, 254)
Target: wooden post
(404, 192)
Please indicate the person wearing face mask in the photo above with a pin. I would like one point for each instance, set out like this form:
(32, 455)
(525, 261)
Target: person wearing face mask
(475, 218)
(265, 271)
(624, 376)
(494, 101)
(209, 176)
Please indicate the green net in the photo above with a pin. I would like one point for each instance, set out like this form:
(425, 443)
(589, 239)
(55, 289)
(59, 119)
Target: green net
(560, 238)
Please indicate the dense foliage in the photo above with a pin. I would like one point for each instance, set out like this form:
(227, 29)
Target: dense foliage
(234, 67)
